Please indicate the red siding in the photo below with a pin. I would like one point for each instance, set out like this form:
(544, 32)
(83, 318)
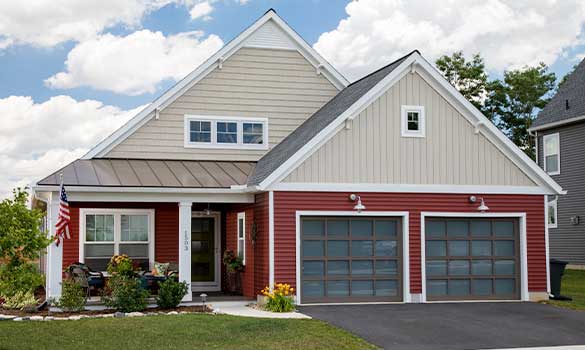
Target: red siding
(287, 203)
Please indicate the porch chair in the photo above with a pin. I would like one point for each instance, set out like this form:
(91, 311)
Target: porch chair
(86, 278)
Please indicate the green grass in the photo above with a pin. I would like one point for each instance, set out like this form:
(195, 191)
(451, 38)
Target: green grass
(191, 331)
(573, 285)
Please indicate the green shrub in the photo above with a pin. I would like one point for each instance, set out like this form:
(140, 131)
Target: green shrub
(73, 297)
(24, 278)
(125, 294)
(170, 293)
(19, 300)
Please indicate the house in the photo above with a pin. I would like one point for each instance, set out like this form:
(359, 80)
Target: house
(391, 188)
(560, 143)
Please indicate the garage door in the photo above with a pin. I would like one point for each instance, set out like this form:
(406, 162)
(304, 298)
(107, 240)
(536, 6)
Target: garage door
(345, 259)
(472, 259)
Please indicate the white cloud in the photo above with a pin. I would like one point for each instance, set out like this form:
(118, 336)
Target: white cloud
(136, 63)
(39, 138)
(507, 33)
(202, 9)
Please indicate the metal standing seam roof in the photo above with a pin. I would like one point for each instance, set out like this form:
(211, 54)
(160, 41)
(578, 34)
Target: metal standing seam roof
(151, 173)
(573, 92)
(319, 120)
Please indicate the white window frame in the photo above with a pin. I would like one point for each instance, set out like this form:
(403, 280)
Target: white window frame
(240, 132)
(545, 139)
(554, 204)
(241, 216)
(117, 213)
(405, 109)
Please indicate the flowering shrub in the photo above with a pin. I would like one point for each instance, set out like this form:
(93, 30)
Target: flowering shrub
(122, 265)
(279, 298)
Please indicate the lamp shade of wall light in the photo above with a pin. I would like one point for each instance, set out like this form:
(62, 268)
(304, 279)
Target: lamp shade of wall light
(482, 207)
(358, 206)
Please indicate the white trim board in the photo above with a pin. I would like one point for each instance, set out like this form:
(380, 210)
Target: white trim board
(403, 215)
(204, 69)
(524, 295)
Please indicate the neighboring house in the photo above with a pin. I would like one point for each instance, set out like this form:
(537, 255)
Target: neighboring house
(560, 143)
(392, 188)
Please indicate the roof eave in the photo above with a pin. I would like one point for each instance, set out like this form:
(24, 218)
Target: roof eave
(557, 123)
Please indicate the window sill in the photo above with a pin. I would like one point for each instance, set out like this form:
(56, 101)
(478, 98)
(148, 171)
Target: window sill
(226, 146)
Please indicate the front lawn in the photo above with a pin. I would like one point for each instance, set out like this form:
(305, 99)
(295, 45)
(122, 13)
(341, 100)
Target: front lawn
(573, 286)
(190, 331)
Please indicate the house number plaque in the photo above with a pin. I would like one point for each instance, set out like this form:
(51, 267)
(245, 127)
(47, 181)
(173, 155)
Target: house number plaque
(186, 241)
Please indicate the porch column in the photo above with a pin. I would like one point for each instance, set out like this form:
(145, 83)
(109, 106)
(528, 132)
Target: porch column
(185, 246)
(54, 267)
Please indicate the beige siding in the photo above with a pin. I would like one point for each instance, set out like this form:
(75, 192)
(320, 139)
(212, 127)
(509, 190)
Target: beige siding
(373, 150)
(280, 85)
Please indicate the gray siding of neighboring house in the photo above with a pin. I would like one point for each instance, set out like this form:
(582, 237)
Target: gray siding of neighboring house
(567, 241)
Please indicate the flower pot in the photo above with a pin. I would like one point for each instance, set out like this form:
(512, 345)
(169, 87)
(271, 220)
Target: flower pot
(234, 282)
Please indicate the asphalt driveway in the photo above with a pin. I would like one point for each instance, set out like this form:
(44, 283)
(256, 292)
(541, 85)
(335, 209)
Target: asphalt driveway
(457, 325)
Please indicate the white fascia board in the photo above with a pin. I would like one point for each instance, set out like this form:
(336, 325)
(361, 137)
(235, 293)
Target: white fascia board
(121, 189)
(556, 124)
(203, 70)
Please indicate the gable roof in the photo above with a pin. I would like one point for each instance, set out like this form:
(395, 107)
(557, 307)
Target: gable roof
(326, 122)
(268, 31)
(572, 95)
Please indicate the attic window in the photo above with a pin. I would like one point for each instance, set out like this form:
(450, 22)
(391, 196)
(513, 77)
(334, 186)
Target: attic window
(225, 132)
(413, 121)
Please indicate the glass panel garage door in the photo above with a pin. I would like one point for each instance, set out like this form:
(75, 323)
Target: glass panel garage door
(472, 259)
(345, 259)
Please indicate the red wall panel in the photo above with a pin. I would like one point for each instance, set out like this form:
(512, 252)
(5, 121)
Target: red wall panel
(287, 203)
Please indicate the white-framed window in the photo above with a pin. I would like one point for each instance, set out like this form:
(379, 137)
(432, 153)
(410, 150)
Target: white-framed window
(225, 132)
(413, 121)
(552, 154)
(242, 236)
(107, 232)
(552, 211)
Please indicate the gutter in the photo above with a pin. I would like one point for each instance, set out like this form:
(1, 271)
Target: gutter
(557, 123)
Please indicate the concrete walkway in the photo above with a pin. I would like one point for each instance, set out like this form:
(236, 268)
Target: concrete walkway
(241, 308)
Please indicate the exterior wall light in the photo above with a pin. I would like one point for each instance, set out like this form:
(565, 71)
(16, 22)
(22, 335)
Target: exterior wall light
(482, 206)
(359, 206)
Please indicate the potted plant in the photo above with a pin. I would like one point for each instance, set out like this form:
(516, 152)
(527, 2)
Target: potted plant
(234, 265)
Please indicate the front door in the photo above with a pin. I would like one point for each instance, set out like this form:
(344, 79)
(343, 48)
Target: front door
(203, 253)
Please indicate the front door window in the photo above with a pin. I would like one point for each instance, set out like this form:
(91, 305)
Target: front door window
(202, 249)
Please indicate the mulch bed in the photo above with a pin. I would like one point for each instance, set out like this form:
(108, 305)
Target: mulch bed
(21, 313)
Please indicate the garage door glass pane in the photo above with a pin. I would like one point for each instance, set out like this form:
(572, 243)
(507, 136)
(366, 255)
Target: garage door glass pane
(504, 267)
(338, 288)
(314, 268)
(386, 267)
(457, 229)
(435, 229)
(504, 286)
(481, 248)
(362, 288)
(385, 248)
(337, 228)
(336, 267)
(481, 228)
(313, 227)
(337, 248)
(385, 228)
(504, 248)
(362, 267)
(504, 229)
(437, 287)
(481, 267)
(361, 248)
(458, 267)
(459, 248)
(481, 287)
(458, 287)
(313, 288)
(313, 248)
(362, 228)
(436, 268)
(386, 288)
(436, 248)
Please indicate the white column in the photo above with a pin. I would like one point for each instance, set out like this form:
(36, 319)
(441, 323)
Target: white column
(185, 246)
(54, 268)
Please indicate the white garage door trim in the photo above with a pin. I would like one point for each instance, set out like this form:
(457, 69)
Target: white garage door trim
(405, 253)
(523, 252)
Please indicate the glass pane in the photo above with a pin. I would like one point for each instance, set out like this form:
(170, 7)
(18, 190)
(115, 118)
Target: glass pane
(386, 248)
(227, 132)
(457, 228)
(504, 229)
(202, 247)
(458, 287)
(337, 288)
(313, 288)
(481, 228)
(361, 248)
(361, 228)
(313, 248)
(337, 248)
(437, 287)
(109, 228)
(253, 139)
(386, 288)
(205, 126)
(134, 250)
(481, 287)
(362, 288)
(200, 137)
(338, 267)
(481, 267)
(227, 138)
(240, 247)
(435, 229)
(99, 228)
(385, 228)
(313, 268)
(90, 228)
(481, 248)
(99, 250)
(134, 228)
(436, 248)
(436, 268)
(504, 286)
(362, 267)
(552, 163)
(337, 228)
(504, 248)
(551, 145)
(458, 267)
(504, 267)
(313, 227)
(459, 248)
(241, 228)
(386, 267)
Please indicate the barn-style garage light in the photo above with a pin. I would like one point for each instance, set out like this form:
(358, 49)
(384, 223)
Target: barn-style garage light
(482, 206)
(359, 206)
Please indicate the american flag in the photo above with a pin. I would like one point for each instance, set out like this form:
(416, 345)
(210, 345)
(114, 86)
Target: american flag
(63, 220)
